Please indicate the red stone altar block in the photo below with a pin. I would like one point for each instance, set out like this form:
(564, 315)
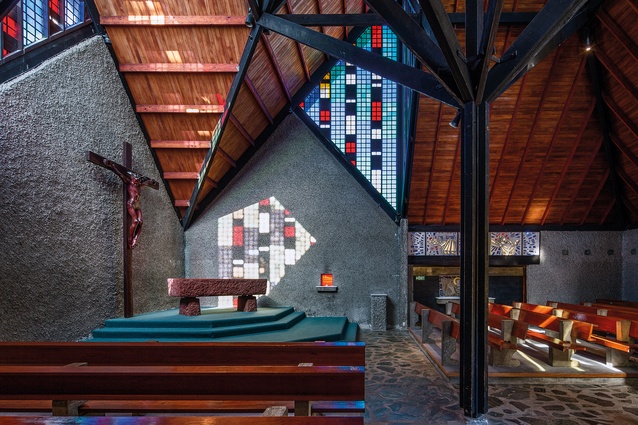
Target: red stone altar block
(189, 289)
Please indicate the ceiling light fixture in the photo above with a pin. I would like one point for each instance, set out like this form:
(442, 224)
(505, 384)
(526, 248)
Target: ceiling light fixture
(456, 120)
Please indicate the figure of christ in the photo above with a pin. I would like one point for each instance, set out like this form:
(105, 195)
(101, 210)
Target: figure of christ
(134, 182)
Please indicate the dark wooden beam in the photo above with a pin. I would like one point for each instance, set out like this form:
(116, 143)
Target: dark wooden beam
(508, 137)
(405, 75)
(163, 20)
(628, 181)
(417, 40)
(432, 163)
(625, 150)
(181, 175)
(490, 28)
(474, 258)
(180, 109)
(615, 30)
(258, 99)
(584, 174)
(567, 164)
(275, 63)
(555, 136)
(450, 47)
(544, 27)
(222, 153)
(302, 58)
(604, 217)
(530, 137)
(616, 73)
(179, 67)
(242, 130)
(180, 144)
(621, 115)
(594, 198)
(596, 80)
(249, 50)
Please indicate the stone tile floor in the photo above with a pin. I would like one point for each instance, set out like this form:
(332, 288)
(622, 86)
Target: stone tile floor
(404, 387)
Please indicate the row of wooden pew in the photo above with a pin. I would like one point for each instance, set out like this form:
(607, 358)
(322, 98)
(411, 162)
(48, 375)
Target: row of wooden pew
(563, 328)
(184, 378)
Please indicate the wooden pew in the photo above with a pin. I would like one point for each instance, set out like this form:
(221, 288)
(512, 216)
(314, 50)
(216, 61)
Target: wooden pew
(504, 344)
(184, 420)
(450, 331)
(620, 303)
(87, 361)
(558, 334)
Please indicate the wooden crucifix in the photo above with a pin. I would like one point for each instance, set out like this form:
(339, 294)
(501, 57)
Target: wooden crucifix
(132, 214)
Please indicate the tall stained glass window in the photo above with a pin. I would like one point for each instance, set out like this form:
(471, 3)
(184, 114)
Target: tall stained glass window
(357, 110)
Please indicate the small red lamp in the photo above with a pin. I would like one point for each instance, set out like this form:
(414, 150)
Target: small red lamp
(327, 283)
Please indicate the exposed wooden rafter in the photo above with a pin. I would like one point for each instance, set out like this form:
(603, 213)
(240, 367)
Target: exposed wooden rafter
(180, 175)
(179, 67)
(164, 20)
(275, 64)
(258, 99)
(180, 109)
(180, 144)
(242, 130)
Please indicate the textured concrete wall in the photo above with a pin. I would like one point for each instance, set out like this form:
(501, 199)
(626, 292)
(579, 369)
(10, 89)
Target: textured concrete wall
(356, 240)
(630, 265)
(576, 277)
(61, 227)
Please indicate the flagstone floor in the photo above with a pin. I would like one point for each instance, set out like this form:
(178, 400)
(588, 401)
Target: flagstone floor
(404, 387)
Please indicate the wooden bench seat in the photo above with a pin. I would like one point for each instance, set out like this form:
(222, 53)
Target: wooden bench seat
(450, 331)
(504, 344)
(184, 378)
(183, 420)
(189, 289)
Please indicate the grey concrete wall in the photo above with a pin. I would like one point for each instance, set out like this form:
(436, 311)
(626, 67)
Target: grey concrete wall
(356, 240)
(577, 277)
(630, 265)
(61, 227)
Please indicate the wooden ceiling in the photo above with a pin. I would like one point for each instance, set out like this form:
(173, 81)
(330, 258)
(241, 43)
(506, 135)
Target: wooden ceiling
(557, 156)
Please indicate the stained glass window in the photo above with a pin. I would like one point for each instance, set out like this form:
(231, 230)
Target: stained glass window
(32, 21)
(357, 110)
(259, 241)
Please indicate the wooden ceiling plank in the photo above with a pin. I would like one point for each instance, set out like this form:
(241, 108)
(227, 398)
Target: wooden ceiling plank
(275, 64)
(595, 197)
(180, 144)
(615, 30)
(567, 164)
(559, 126)
(179, 67)
(302, 58)
(630, 183)
(226, 157)
(260, 101)
(508, 137)
(532, 132)
(181, 175)
(211, 181)
(604, 217)
(179, 109)
(163, 20)
(345, 27)
(616, 73)
(633, 4)
(625, 150)
(621, 115)
(582, 179)
(432, 163)
(242, 130)
(630, 207)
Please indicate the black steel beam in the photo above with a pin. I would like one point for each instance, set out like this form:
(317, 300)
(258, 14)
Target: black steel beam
(543, 28)
(371, 19)
(490, 28)
(249, 50)
(450, 47)
(405, 75)
(473, 28)
(474, 257)
(575, 24)
(6, 6)
(415, 38)
(593, 66)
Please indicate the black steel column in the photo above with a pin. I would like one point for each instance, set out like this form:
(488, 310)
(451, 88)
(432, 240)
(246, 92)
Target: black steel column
(474, 257)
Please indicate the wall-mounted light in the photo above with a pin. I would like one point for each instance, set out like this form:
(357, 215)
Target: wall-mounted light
(250, 20)
(456, 120)
(588, 43)
(327, 283)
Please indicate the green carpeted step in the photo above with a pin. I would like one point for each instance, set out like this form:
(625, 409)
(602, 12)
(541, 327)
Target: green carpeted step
(284, 323)
(210, 317)
(152, 333)
(309, 329)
